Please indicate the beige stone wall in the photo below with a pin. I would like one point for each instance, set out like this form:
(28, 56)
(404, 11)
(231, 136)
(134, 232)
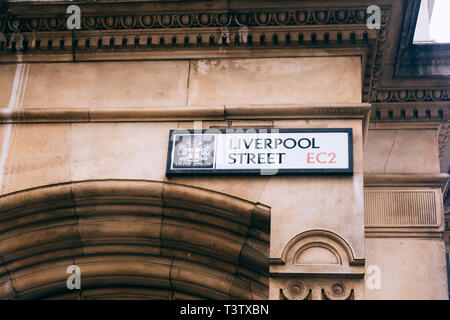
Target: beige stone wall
(404, 222)
(43, 154)
(314, 80)
(40, 154)
(307, 80)
(50, 153)
(404, 151)
(7, 73)
(410, 268)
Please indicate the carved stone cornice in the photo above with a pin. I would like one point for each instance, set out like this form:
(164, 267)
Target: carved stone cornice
(149, 20)
(212, 38)
(420, 95)
(148, 31)
(412, 105)
(44, 37)
(436, 111)
(378, 55)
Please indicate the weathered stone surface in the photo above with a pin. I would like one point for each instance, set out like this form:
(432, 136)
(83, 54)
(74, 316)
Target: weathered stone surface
(409, 268)
(311, 80)
(401, 151)
(8, 72)
(43, 279)
(130, 151)
(121, 232)
(37, 155)
(107, 84)
(213, 283)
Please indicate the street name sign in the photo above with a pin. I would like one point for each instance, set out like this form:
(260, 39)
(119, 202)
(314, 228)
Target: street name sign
(264, 151)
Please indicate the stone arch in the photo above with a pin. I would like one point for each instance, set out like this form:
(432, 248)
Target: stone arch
(132, 238)
(318, 252)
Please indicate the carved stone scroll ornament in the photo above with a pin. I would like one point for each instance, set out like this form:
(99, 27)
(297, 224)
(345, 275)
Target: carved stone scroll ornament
(337, 291)
(295, 291)
(313, 289)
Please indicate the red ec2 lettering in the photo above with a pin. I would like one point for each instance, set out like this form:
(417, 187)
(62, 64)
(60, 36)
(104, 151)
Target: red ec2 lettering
(321, 157)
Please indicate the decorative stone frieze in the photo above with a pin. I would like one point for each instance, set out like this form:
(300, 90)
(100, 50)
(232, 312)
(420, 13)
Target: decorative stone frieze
(309, 289)
(317, 265)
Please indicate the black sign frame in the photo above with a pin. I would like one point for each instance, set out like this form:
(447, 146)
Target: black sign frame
(349, 170)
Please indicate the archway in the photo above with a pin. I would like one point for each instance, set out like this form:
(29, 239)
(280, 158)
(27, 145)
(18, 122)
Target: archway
(132, 239)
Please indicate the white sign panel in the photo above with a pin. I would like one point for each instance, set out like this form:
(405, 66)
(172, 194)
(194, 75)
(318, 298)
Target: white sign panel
(264, 151)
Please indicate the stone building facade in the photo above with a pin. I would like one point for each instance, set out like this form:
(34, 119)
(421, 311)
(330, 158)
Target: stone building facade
(85, 116)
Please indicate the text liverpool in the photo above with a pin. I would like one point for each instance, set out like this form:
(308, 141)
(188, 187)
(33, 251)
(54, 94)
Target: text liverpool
(265, 144)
